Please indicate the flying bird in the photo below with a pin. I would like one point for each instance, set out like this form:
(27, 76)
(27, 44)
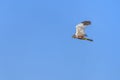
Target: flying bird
(80, 31)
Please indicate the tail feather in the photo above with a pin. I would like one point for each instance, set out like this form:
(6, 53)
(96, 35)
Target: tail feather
(87, 39)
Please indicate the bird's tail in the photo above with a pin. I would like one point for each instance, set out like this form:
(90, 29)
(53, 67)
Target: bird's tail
(87, 39)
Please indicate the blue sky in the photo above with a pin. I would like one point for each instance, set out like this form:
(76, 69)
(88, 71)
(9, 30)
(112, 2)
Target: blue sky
(36, 42)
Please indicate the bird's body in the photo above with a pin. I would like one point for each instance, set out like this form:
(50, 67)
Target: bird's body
(80, 31)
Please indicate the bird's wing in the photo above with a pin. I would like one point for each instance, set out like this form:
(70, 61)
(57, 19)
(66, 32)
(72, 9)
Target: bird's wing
(80, 28)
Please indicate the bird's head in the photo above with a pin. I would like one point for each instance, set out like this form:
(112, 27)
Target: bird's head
(74, 36)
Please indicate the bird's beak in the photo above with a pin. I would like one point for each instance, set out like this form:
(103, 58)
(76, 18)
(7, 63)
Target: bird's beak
(73, 36)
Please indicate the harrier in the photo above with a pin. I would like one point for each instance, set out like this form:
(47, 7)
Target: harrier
(80, 31)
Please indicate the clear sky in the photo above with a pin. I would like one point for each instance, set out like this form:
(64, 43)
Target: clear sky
(36, 42)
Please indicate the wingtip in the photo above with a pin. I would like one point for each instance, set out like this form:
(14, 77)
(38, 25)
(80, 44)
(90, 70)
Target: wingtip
(86, 22)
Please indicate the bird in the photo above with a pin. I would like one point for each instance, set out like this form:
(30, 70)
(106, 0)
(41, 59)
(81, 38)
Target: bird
(80, 31)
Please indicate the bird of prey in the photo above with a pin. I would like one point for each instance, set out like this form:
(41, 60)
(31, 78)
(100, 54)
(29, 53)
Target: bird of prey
(80, 31)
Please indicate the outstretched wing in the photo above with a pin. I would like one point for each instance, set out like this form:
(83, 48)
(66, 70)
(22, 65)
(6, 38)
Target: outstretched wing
(80, 28)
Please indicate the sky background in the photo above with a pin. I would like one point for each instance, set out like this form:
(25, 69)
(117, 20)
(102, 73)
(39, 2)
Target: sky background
(36, 42)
